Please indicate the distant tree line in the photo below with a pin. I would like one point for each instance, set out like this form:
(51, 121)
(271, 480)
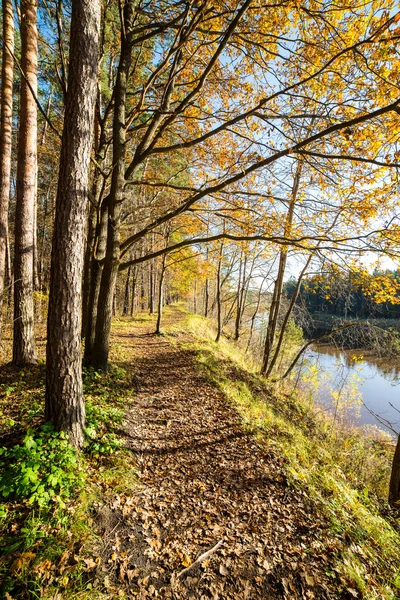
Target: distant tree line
(350, 295)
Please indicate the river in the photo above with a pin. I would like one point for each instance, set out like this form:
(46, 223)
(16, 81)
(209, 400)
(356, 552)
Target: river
(359, 385)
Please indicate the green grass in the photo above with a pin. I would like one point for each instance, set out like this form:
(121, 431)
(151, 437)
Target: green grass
(48, 539)
(321, 463)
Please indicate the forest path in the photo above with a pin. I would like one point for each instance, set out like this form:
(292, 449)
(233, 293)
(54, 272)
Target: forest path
(203, 479)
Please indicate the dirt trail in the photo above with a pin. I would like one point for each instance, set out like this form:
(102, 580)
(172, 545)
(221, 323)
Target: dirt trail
(203, 479)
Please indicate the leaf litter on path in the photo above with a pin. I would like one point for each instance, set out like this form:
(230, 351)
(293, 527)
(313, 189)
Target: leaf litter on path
(203, 483)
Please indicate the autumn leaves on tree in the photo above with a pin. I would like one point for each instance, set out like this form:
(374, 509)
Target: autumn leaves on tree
(197, 142)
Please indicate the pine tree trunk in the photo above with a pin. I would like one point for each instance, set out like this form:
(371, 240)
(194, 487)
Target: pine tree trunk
(24, 340)
(64, 394)
(7, 76)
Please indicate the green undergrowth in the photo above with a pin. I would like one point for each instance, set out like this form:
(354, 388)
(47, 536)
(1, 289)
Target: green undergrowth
(345, 473)
(49, 492)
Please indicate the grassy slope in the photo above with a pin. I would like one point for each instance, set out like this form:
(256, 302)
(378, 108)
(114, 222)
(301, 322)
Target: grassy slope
(368, 545)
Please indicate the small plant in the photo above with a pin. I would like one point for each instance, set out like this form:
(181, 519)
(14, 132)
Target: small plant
(43, 469)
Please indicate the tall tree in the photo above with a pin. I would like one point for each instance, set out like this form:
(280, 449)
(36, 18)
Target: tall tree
(7, 76)
(24, 340)
(99, 358)
(64, 394)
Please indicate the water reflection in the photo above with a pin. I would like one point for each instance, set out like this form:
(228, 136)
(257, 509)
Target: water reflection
(375, 379)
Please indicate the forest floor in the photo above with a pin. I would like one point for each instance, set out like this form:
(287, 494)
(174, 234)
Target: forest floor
(202, 480)
(195, 478)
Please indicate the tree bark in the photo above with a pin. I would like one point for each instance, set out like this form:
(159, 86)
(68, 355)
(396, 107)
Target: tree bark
(24, 340)
(7, 77)
(394, 485)
(115, 198)
(161, 294)
(219, 303)
(64, 394)
(96, 234)
(127, 294)
(277, 293)
(96, 271)
(206, 299)
(133, 293)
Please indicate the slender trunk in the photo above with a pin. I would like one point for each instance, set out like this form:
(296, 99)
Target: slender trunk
(9, 273)
(394, 485)
(238, 302)
(41, 242)
(287, 317)
(64, 393)
(219, 303)
(195, 297)
(114, 305)
(89, 249)
(7, 76)
(115, 199)
(161, 294)
(127, 299)
(36, 284)
(45, 124)
(133, 294)
(151, 287)
(277, 293)
(142, 290)
(206, 299)
(94, 227)
(254, 316)
(96, 271)
(24, 340)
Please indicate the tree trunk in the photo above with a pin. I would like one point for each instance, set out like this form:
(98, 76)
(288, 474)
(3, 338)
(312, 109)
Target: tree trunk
(151, 284)
(36, 285)
(206, 299)
(287, 317)
(127, 299)
(96, 234)
(64, 394)
(394, 485)
(7, 76)
(219, 303)
(24, 340)
(238, 318)
(115, 199)
(161, 294)
(142, 290)
(96, 271)
(277, 293)
(133, 294)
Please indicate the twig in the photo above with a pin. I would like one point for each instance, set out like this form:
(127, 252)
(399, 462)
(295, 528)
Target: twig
(201, 558)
